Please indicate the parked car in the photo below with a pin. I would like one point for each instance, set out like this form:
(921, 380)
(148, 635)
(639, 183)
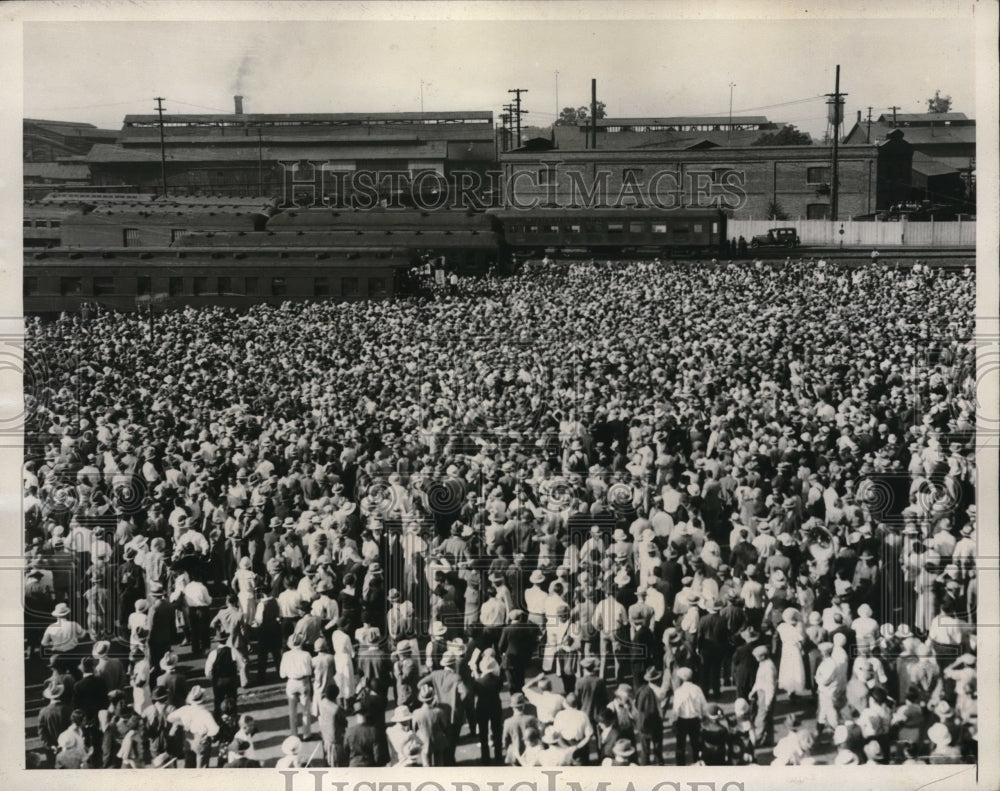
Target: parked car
(776, 237)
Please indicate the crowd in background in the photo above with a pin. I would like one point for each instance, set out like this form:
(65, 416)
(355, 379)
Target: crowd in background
(582, 517)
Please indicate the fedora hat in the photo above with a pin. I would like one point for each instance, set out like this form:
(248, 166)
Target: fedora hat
(426, 694)
(196, 695)
(160, 694)
(54, 691)
(61, 611)
(623, 748)
(401, 714)
(169, 660)
(438, 629)
(101, 648)
(536, 577)
(652, 674)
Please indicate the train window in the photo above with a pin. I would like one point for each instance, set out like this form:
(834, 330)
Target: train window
(104, 286)
(225, 285)
(177, 233)
(70, 285)
(574, 228)
(659, 227)
(175, 286)
(130, 237)
(321, 286)
(30, 286)
(199, 286)
(636, 227)
(279, 286)
(143, 286)
(534, 228)
(818, 175)
(376, 287)
(251, 285)
(552, 229)
(616, 227)
(349, 287)
(697, 228)
(680, 230)
(715, 227)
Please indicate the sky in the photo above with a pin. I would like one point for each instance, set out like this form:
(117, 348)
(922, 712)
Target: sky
(99, 71)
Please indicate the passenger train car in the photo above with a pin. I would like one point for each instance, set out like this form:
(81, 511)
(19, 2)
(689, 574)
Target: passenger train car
(613, 231)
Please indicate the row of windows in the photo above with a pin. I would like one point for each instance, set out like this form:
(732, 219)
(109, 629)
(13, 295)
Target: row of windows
(814, 175)
(42, 223)
(612, 228)
(105, 286)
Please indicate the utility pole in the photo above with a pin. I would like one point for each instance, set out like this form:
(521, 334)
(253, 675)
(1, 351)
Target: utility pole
(731, 86)
(163, 149)
(260, 164)
(868, 134)
(593, 114)
(557, 94)
(517, 110)
(835, 118)
(894, 108)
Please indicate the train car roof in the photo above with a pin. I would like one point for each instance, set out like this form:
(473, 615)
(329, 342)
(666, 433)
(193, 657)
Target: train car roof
(629, 213)
(343, 238)
(332, 218)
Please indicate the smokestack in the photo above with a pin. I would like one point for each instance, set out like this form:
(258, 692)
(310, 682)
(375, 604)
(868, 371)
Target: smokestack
(593, 113)
(859, 117)
(239, 104)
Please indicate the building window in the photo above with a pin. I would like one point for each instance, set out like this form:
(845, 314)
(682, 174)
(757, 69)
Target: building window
(69, 286)
(279, 287)
(376, 287)
(104, 286)
(30, 286)
(321, 287)
(177, 233)
(55, 224)
(818, 175)
(251, 285)
(199, 286)
(349, 287)
(130, 237)
(175, 286)
(632, 174)
(225, 285)
(818, 211)
(28, 224)
(143, 286)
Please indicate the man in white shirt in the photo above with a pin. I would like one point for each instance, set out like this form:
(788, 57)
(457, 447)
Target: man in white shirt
(574, 727)
(64, 635)
(548, 704)
(199, 726)
(689, 708)
(198, 600)
(609, 617)
(296, 666)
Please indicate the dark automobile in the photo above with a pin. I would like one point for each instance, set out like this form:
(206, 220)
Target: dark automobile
(776, 237)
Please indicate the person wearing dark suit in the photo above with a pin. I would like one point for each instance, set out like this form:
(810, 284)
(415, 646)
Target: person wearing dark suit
(362, 742)
(744, 664)
(90, 695)
(711, 645)
(518, 641)
(161, 629)
(649, 719)
(450, 692)
(607, 735)
(54, 718)
(267, 627)
(642, 649)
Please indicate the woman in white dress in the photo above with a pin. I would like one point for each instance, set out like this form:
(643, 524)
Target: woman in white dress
(244, 584)
(792, 670)
(343, 660)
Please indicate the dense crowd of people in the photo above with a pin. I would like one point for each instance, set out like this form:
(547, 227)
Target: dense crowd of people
(577, 516)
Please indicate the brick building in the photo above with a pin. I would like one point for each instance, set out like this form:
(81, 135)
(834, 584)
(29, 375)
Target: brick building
(748, 181)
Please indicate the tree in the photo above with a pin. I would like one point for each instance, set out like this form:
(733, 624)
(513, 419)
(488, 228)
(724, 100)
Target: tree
(939, 103)
(574, 116)
(775, 211)
(788, 135)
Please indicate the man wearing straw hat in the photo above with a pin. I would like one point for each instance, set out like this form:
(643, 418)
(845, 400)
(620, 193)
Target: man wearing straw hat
(296, 666)
(199, 728)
